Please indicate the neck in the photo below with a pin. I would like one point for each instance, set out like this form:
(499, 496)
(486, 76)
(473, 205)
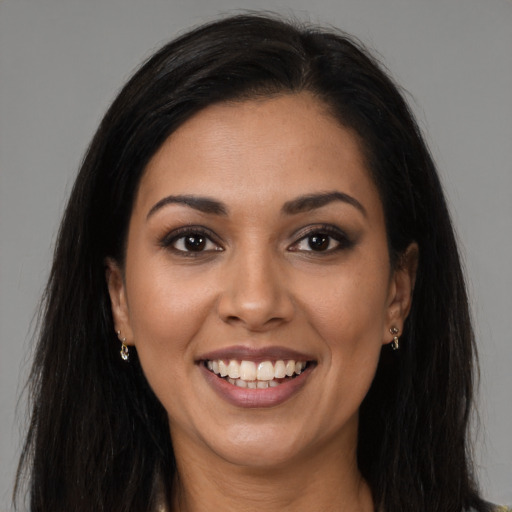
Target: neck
(322, 480)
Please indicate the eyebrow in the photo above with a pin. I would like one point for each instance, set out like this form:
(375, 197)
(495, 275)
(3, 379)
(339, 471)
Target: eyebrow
(301, 204)
(203, 204)
(313, 201)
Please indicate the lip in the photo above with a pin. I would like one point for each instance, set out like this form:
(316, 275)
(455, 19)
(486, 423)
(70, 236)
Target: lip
(256, 398)
(240, 352)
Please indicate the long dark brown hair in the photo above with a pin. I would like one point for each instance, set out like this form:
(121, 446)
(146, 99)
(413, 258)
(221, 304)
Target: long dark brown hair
(98, 437)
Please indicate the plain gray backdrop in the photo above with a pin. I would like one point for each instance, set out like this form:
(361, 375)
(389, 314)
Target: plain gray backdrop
(62, 62)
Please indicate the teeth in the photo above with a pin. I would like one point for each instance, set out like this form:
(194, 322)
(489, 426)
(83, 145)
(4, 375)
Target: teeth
(290, 368)
(247, 370)
(233, 369)
(247, 374)
(223, 369)
(266, 371)
(254, 384)
(280, 370)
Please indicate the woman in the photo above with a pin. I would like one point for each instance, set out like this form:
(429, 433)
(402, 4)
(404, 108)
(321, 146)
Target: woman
(256, 299)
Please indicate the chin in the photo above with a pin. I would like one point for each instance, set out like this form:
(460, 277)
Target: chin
(264, 449)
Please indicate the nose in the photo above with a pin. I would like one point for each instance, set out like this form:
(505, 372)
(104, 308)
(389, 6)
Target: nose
(255, 292)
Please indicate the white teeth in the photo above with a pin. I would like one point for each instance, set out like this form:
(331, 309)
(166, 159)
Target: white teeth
(233, 369)
(248, 374)
(265, 371)
(290, 368)
(223, 369)
(248, 370)
(254, 384)
(280, 370)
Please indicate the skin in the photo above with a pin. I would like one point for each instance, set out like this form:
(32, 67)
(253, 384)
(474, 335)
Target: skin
(258, 283)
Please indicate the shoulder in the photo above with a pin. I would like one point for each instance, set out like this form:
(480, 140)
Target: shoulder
(494, 508)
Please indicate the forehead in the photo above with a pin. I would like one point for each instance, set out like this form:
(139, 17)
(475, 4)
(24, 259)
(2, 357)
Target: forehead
(260, 149)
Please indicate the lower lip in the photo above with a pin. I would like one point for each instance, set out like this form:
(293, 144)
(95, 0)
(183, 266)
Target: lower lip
(256, 398)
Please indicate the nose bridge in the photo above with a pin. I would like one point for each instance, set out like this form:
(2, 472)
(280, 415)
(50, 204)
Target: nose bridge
(255, 291)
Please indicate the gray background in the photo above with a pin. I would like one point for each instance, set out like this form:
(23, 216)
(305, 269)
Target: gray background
(61, 63)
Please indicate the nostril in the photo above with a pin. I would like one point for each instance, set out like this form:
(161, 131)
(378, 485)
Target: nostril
(254, 293)
(255, 315)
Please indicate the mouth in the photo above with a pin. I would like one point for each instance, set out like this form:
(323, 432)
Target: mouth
(251, 377)
(257, 374)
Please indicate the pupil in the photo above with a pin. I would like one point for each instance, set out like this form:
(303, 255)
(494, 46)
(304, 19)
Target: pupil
(195, 242)
(318, 242)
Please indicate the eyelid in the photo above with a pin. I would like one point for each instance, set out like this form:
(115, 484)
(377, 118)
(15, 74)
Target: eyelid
(343, 239)
(174, 235)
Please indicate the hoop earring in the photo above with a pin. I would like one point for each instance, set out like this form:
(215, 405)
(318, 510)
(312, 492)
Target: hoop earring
(395, 344)
(125, 352)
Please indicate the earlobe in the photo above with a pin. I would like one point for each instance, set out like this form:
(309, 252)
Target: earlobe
(401, 290)
(117, 293)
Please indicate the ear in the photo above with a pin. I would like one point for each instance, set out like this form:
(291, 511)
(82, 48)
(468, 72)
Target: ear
(117, 292)
(400, 291)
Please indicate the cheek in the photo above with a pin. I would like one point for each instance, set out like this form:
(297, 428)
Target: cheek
(348, 310)
(166, 312)
(166, 319)
(349, 306)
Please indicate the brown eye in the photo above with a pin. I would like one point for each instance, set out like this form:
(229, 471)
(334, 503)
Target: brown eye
(319, 242)
(323, 239)
(187, 241)
(194, 242)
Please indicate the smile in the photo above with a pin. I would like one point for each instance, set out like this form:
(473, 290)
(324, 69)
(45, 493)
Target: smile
(252, 375)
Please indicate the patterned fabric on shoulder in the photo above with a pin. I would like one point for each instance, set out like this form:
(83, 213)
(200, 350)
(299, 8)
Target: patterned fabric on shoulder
(494, 508)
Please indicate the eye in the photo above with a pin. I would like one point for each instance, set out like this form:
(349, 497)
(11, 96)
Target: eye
(323, 239)
(188, 240)
(194, 242)
(319, 242)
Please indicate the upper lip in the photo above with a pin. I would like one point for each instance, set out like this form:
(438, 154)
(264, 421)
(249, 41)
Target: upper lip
(246, 353)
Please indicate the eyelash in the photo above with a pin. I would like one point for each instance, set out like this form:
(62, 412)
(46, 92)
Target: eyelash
(191, 232)
(325, 231)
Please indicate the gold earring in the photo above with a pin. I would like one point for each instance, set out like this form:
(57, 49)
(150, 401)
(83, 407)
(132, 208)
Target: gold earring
(125, 352)
(395, 345)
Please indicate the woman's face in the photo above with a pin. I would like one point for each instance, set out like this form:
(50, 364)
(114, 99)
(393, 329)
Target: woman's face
(257, 248)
